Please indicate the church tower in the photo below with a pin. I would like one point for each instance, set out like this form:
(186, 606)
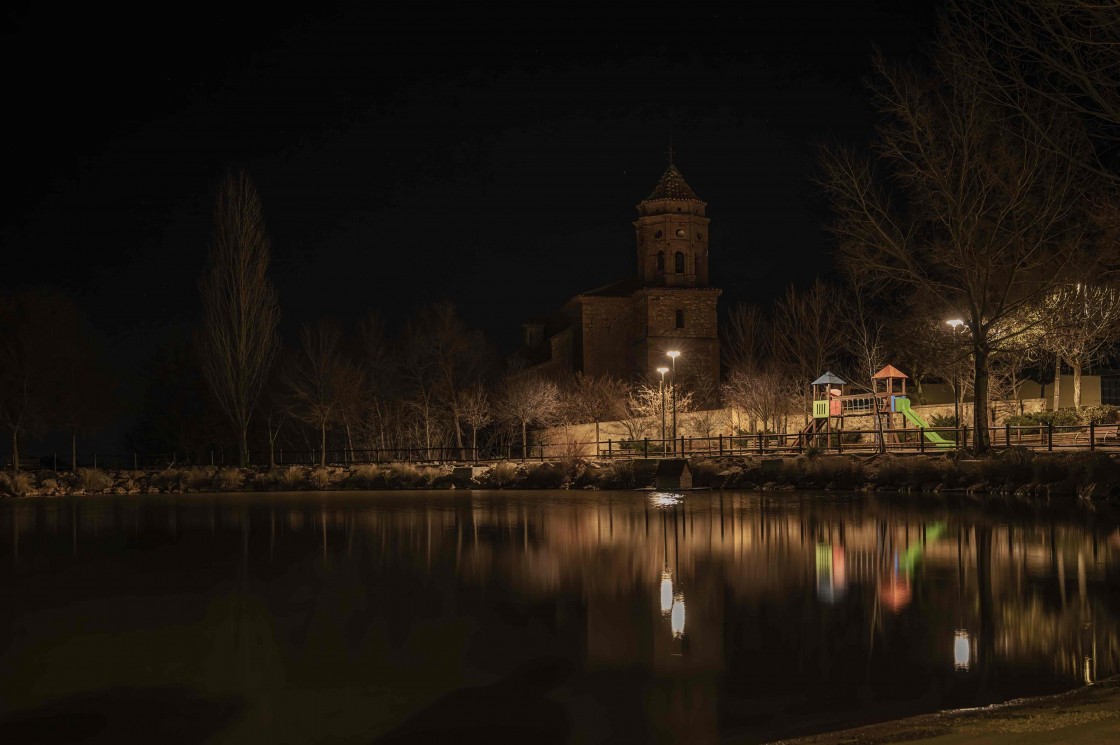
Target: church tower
(674, 308)
(672, 233)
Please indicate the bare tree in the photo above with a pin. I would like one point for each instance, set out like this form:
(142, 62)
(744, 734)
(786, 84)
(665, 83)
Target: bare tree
(321, 380)
(444, 358)
(81, 387)
(524, 399)
(27, 362)
(765, 394)
(476, 412)
(238, 340)
(981, 216)
(1080, 321)
(648, 405)
(806, 334)
(747, 339)
(595, 399)
(1064, 52)
(865, 333)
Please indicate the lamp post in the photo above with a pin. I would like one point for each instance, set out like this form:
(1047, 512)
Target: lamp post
(674, 354)
(662, 370)
(956, 323)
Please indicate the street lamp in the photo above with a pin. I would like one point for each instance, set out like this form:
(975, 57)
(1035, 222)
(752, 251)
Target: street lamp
(674, 354)
(956, 323)
(662, 370)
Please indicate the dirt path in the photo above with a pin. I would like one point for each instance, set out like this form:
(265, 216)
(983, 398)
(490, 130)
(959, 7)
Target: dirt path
(1086, 715)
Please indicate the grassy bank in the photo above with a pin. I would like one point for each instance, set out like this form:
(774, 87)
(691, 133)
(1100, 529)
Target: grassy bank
(1018, 472)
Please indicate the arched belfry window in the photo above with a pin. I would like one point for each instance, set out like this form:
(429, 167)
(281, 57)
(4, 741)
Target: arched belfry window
(660, 261)
(678, 260)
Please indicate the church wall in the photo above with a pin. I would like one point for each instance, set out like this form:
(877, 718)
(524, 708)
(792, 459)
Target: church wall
(604, 325)
(698, 341)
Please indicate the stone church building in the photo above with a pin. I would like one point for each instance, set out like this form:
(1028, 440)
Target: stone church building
(625, 329)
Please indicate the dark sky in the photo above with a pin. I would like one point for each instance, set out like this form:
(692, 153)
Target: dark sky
(407, 152)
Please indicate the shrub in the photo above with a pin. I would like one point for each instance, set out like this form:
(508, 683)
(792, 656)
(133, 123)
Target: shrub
(502, 474)
(228, 479)
(1103, 414)
(403, 476)
(944, 420)
(546, 476)
(618, 475)
(17, 484)
(285, 478)
(319, 478)
(94, 480)
(1026, 422)
(365, 477)
(1049, 469)
(837, 472)
(1012, 466)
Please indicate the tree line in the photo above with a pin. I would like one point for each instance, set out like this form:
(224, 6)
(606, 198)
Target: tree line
(987, 197)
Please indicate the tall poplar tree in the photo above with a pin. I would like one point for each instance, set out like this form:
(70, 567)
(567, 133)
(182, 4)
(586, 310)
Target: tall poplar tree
(238, 341)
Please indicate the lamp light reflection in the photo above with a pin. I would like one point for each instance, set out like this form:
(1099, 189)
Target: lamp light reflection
(677, 617)
(962, 650)
(666, 591)
(665, 499)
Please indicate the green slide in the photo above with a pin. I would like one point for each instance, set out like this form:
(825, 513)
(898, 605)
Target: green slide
(902, 405)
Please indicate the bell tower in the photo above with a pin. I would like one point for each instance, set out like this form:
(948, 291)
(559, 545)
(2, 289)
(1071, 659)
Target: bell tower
(672, 234)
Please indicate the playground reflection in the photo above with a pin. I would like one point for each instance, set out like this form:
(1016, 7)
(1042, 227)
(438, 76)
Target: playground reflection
(803, 612)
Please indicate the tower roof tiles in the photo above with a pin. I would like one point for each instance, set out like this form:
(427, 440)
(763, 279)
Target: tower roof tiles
(672, 186)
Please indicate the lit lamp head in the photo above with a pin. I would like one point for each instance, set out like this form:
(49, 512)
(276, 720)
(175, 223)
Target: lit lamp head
(674, 354)
(955, 323)
(663, 370)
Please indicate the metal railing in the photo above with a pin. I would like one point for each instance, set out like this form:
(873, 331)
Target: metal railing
(933, 440)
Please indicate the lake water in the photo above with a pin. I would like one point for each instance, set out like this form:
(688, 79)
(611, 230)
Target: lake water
(532, 617)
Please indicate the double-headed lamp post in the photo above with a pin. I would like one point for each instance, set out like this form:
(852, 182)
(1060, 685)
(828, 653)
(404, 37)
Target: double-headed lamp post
(673, 354)
(956, 323)
(662, 370)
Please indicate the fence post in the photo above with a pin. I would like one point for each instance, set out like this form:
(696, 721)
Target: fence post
(610, 447)
(965, 435)
(721, 443)
(921, 439)
(1092, 436)
(1050, 436)
(760, 443)
(1006, 435)
(95, 461)
(645, 446)
(682, 447)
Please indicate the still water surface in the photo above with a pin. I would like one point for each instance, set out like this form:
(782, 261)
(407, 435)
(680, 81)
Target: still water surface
(532, 617)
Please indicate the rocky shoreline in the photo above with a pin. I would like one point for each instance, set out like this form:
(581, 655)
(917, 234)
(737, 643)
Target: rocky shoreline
(1038, 477)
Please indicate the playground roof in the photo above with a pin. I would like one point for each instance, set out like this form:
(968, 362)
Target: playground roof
(890, 371)
(828, 379)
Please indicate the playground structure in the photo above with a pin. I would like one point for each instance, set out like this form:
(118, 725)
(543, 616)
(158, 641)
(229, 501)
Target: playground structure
(887, 397)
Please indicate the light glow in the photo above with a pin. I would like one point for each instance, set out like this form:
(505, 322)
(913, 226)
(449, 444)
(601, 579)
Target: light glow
(962, 650)
(674, 354)
(677, 617)
(664, 499)
(955, 323)
(666, 591)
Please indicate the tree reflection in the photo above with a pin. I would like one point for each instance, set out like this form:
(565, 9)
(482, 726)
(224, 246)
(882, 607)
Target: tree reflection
(794, 605)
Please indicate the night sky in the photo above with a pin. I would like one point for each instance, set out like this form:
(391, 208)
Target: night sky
(491, 156)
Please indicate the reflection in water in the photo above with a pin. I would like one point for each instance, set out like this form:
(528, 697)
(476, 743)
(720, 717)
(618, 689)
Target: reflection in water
(962, 650)
(803, 612)
(666, 591)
